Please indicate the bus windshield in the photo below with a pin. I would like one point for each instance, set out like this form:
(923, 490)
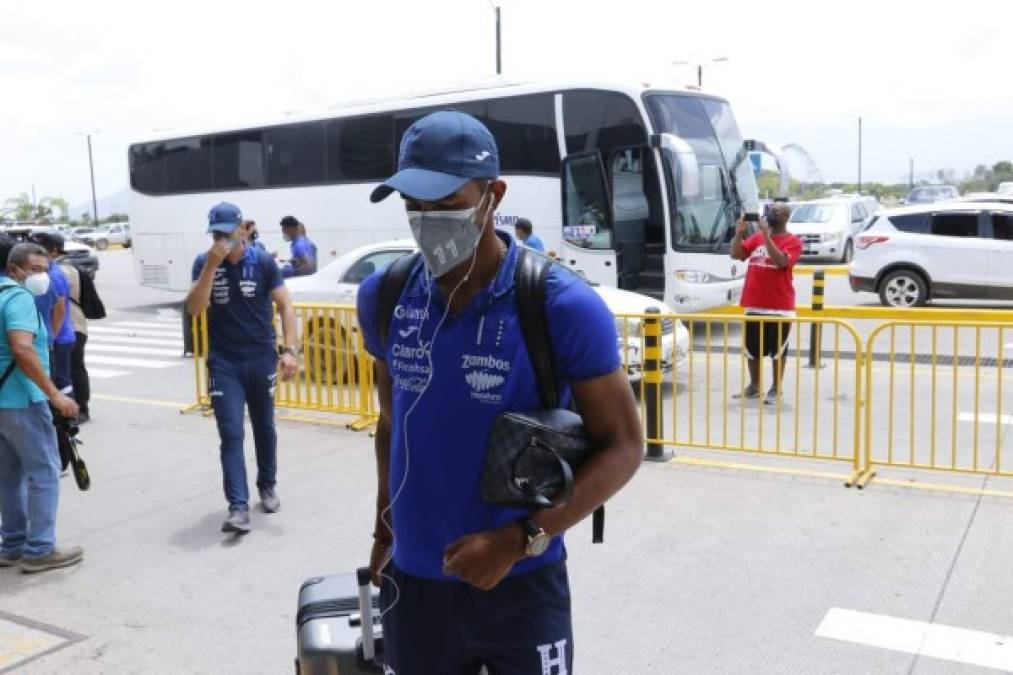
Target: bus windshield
(707, 220)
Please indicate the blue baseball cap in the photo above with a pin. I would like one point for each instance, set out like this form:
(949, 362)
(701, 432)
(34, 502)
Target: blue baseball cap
(439, 154)
(224, 217)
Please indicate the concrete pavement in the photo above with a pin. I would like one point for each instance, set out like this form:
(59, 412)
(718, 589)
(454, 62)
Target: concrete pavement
(704, 569)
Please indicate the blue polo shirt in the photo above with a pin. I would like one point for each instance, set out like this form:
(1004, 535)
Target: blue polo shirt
(305, 251)
(44, 304)
(240, 315)
(480, 369)
(63, 334)
(18, 312)
(534, 242)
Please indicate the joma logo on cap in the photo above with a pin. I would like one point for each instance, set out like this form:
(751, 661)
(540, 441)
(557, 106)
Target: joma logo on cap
(482, 155)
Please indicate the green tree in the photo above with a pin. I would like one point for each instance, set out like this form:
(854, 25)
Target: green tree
(19, 207)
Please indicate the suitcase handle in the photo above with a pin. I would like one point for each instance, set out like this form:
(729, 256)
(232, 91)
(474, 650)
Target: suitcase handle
(364, 578)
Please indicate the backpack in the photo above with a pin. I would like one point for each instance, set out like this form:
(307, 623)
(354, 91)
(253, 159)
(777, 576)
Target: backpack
(90, 303)
(530, 276)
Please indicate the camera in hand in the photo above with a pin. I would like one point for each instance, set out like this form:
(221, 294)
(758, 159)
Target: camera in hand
(67, 441)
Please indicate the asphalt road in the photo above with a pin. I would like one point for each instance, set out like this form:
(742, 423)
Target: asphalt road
(754, 567)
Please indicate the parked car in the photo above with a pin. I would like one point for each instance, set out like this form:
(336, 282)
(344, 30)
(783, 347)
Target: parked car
(927, 194)
(104, 235)
(827, 227)
(338, 282)
(987, 197)
(78, 255)
(918, 253)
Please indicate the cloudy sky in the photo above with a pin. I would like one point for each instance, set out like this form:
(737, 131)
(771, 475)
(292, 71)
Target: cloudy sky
(930, 80)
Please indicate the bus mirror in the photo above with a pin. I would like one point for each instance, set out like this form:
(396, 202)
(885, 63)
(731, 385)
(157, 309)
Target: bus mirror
(752, 145)
(684, 163)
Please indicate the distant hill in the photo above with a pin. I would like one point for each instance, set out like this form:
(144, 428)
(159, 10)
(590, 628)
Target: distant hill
(108, 205)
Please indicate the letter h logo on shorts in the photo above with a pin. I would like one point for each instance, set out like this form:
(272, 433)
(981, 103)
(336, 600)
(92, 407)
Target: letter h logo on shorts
(549, 661)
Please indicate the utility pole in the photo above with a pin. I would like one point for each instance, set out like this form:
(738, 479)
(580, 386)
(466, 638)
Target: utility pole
(91, 169)
(499, 52)
(699, 75)
(911, 173)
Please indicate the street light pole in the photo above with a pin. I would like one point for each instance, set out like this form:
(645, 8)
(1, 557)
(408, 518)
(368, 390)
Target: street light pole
(499, 41)
(700, 67)
(91, 170)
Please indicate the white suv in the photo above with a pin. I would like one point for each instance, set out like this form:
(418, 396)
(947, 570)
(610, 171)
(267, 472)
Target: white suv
(827, 227)
(955, 249)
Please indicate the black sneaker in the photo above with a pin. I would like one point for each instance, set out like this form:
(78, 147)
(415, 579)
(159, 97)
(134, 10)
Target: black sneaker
(238, 520)
(83, 417)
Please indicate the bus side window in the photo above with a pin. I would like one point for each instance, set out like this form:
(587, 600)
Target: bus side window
(587, 219)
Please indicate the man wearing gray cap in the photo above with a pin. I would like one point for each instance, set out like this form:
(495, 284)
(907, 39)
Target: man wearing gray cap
(466, 583)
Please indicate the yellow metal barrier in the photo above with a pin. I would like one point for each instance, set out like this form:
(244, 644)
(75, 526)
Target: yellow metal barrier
(916, 394)
(336, 372)
(936, 397)
(699, 399)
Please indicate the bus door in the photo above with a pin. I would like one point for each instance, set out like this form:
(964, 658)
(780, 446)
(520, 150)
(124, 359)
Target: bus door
(588, 232)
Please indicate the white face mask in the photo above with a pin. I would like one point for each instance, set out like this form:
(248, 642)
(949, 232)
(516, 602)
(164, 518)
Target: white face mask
(37, 284)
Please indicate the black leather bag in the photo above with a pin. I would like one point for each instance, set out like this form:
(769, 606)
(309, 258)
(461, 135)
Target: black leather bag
(531, 456)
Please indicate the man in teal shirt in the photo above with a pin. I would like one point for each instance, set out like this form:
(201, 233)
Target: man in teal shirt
(29, 458)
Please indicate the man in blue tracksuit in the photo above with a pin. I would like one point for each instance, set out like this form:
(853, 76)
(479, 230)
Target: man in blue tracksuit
(472, 583)
(303, 260)
(525, 234)
(236, 283)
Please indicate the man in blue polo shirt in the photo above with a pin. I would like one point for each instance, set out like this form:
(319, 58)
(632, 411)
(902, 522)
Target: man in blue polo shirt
(472, 583)
(525, 234)
(62, 336)
(29, 458)
(303, 260)
(236, 283)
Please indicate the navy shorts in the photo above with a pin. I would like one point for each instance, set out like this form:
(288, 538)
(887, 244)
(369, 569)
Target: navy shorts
(521, 627)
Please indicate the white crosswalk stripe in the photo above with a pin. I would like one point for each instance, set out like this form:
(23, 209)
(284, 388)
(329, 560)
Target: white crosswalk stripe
(133, 345)
(116, 339)
(134, 331)
(105, 373)
(121, 349)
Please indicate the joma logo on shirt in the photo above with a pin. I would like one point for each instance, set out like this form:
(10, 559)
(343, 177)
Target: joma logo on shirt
(472, 361)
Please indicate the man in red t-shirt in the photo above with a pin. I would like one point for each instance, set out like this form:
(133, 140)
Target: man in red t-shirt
(769, 291)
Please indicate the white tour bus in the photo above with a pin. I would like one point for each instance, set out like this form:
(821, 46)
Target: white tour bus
(633, 187)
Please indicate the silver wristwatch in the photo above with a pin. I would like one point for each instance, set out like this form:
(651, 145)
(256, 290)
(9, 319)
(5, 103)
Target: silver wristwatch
(536, 539)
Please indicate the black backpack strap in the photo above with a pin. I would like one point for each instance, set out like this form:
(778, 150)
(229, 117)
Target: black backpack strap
(532, 271)
(391, 286)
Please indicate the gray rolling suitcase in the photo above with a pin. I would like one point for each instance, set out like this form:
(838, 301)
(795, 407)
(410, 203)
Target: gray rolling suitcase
(337, 626)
